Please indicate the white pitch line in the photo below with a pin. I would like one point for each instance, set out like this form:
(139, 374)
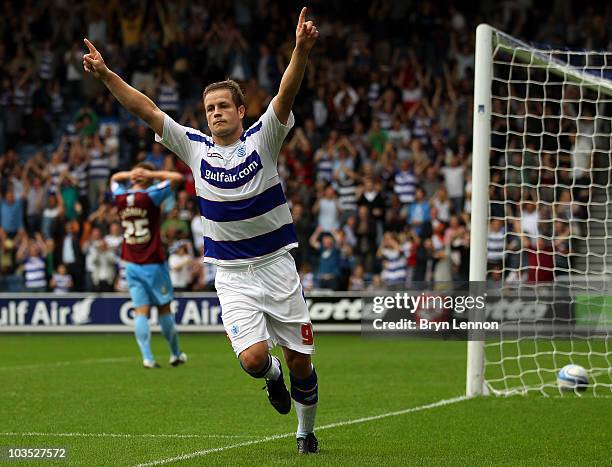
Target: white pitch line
(121, 435)
(588, 395)
(204, 452)
(68, 362)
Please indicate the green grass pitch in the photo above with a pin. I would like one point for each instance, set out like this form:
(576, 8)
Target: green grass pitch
(94, 385)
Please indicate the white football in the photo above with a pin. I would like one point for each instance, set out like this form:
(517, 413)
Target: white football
(572, 378)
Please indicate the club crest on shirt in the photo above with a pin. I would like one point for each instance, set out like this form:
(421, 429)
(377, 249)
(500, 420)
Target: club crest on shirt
(241, 152)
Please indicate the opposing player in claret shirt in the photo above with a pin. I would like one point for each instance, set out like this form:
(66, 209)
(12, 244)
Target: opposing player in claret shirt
(142, 250)
(248, 228)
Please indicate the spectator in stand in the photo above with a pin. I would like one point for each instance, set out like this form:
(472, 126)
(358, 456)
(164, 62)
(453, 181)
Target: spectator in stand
(168, 97)
(53, 216)
(346, 178)
(456, 238)
(408, 245)
(79, 168)
(348, 260)
(7, 254)
(399, 137)
(530, 219)
(180, 264)
(496, 247)
(306, 277)
(99, 168)
(68, 252)
(405, 182)
(376, 285)
(348, 229)
(102, 217)
(365, 231)
(377, 137)
(197, 233)
(454, 178)
(441, 251)
(393, 262)
(516, 256)
(74, 70)
(205, 276)
(419, 215)
(370, 196)
(329, 259)
(423, 271)
(103, 261)
(69, 192)
(442, 205)
(430, 181)
(121, 284)
(114, 238)
(174, 228)
(156, 156)
(541, 261)
(11, 213)
(561, 245)
(87, 246)
(31, 254)
(323, 159)
(111, 147)
(256, 98)
(357, 282)
(320, 109)
(61, 281)
(328, 210)
(345, 101)
(303, 229)
(57, 166)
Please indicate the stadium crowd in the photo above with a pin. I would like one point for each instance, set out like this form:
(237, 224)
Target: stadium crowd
(377, 170)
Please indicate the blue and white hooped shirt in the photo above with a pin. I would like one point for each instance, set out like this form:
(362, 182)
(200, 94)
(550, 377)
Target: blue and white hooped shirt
(244, 211)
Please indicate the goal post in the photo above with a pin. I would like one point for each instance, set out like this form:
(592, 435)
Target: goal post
(480, 190)
(541, 172)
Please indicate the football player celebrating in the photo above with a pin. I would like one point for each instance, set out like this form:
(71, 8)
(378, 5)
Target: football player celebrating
(248, 228)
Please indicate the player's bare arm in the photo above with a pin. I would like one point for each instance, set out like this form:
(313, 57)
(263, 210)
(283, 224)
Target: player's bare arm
(132, 99)
(174, 178)
(306, 35)
(121, 177)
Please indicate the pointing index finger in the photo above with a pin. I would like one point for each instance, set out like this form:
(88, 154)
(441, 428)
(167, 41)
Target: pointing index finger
(302, 16)
(90, 46)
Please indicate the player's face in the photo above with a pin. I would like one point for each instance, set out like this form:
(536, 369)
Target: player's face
(223, 117)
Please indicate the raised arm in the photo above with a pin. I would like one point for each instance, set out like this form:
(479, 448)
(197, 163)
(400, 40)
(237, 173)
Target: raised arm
(133, 100)
(306, 35)
(174, 178)
(314, 238)
(121, 177)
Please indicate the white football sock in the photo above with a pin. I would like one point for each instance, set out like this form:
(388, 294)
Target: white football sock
(306, 418)
(274, 371)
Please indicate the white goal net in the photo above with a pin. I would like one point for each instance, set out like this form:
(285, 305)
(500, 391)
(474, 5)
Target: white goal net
(542, 214)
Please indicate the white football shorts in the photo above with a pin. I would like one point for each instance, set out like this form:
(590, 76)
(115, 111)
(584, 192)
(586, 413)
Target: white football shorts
(265, 303)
